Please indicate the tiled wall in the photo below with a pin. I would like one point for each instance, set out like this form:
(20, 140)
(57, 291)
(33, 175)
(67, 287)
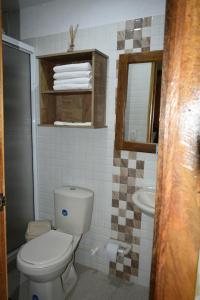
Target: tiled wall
(142, 34)
(125, 217)
(128, 176)
(131, 171)
(136, 35)
(84, 157)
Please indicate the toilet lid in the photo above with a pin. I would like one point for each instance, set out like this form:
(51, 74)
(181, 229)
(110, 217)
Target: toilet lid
(46, 248)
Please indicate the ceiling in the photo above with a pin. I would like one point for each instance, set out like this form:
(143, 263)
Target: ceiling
(10, 5)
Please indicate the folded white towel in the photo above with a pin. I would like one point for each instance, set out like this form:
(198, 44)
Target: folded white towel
(67, 75)
(73, 80)
(73, 67)
(71, 86)
(72, 123)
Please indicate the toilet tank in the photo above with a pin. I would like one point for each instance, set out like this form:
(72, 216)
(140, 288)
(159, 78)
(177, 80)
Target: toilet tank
(73, 209)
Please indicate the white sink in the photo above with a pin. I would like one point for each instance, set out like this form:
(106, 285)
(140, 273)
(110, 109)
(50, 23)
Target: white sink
(144, 199)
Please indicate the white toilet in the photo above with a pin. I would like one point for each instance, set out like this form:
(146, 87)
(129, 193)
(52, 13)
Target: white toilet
(46, 262)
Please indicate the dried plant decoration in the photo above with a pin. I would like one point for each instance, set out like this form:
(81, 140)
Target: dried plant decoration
(72, 35)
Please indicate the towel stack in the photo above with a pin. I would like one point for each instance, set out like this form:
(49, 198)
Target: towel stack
(72, 77)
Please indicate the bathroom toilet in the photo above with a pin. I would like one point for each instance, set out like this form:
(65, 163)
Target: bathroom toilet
(46, 262)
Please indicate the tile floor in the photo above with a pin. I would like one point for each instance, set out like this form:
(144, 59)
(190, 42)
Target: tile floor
(91, 285)
(13, 281)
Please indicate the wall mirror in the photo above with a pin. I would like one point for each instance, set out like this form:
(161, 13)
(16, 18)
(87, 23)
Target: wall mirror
(138, 101)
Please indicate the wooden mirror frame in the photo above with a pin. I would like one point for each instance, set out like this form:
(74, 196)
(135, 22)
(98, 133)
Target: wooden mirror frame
(124, 61)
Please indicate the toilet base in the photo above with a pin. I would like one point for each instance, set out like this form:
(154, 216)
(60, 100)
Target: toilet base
(50, 290)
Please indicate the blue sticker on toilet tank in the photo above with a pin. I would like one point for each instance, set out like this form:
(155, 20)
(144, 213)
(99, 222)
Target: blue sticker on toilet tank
(35, 297)
(64, 212)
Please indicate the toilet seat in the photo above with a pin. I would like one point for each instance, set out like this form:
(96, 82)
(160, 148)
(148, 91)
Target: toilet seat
(46, 249)
(44, 257)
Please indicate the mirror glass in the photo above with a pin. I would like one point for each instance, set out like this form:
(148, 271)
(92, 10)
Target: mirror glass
(138, 102)
(143, 102)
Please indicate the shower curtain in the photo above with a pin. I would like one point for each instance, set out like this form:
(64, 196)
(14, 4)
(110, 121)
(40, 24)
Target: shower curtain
(18, 143)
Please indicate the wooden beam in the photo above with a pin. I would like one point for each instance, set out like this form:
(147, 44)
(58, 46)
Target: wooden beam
(177, 220)
(3, 250)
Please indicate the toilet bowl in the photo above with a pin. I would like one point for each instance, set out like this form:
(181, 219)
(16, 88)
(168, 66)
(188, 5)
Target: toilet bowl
(46, 262)
(47, 256)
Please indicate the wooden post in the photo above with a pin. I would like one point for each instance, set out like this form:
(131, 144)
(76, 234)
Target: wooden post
(3, 251)
(177, 221)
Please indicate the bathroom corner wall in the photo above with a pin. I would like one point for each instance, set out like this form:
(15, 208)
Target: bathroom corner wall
(132, 170)
(84, 157)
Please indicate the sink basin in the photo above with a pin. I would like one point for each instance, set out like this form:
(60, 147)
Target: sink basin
(144, 199)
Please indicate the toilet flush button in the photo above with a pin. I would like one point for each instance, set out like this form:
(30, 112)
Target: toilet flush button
(64, 212)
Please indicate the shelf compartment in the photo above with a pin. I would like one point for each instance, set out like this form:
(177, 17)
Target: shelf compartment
(73, 105)
(65, 108)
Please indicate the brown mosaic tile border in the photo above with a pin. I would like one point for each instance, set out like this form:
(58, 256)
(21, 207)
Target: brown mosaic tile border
(127, 168)
(135, 32)
(125, 216)
(125, 267)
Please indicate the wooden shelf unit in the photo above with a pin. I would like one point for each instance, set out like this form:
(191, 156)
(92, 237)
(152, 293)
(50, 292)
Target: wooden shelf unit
(73, 105)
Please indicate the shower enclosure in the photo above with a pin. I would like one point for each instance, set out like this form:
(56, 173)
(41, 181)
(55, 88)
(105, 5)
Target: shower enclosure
(19, 130)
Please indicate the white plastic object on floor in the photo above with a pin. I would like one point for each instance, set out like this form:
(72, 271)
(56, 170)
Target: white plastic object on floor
(37, 228)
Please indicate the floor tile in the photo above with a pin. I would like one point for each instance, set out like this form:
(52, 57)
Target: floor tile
(91, 285)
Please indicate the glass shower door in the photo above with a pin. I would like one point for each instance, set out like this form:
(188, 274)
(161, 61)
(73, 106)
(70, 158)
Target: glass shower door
(18, 144)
